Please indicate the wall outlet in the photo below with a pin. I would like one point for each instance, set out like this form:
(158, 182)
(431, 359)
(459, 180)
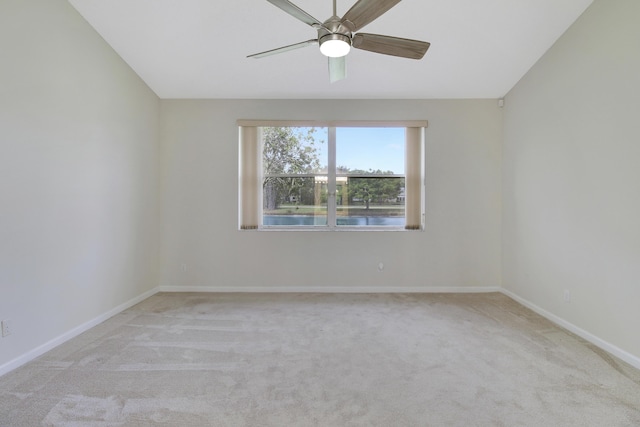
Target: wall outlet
(566, 296)
(183, 267)
(380, 266)
(7, 328)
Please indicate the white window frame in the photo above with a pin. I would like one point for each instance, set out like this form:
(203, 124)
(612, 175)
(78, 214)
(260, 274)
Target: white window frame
(250, 200)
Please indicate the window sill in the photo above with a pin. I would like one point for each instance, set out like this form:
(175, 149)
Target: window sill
(332, 229)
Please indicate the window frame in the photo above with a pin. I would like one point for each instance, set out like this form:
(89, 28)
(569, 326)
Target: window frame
(332, 174)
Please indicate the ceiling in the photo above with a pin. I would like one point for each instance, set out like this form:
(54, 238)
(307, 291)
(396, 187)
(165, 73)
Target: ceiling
(198, 48)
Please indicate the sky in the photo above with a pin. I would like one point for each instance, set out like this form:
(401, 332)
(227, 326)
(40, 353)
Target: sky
(367, 148)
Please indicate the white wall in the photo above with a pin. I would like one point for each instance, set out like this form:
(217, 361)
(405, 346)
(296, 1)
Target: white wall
(79, 176)
(571, 183)
(461, 245)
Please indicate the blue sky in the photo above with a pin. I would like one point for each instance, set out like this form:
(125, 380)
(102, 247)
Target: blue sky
(367, 148)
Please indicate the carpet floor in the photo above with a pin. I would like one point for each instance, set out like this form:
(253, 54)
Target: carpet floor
(189, 359)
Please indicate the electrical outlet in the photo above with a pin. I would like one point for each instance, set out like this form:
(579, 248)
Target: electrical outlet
(380, 266)
(183, 267)
(7, 328)
(566, 296)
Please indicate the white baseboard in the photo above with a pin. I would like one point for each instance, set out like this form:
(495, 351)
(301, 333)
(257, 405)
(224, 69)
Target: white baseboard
(331, 289)
(616, 351)
(40, 350)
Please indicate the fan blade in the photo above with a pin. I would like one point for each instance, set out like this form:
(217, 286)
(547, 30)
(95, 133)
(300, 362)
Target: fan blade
(366, 11)
(337, 68)
(395, 46)
(296, 12)
(283, 49)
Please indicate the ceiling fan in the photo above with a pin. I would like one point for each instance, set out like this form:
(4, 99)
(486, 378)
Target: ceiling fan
(336, 36)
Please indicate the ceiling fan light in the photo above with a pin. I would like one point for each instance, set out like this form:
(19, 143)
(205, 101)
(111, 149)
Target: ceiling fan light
(335, 45)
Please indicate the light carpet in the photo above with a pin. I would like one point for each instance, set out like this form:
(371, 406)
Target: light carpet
(189, 359)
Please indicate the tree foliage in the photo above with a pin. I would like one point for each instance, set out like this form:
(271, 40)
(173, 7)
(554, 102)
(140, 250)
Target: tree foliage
(289, 150)
(371, 188)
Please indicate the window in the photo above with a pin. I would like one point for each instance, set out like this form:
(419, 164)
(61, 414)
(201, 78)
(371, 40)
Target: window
(309, 175)
(295, 179)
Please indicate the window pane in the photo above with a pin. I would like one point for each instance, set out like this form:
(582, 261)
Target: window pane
(294, 150)
(370, 150)
(370, 201)
(365, 168)
(295, 201)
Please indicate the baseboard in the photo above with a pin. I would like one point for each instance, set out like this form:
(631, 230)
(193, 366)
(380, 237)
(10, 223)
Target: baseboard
(331, 289)
(616, 351)
(38, 351)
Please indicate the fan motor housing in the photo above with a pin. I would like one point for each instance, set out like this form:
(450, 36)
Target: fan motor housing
(333, 29)
(334, 36)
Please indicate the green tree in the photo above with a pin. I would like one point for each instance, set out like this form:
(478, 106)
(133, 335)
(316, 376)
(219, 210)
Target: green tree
(288, 150)
(379, 190)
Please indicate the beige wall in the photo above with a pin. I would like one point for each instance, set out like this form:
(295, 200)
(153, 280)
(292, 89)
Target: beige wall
(79, 176)
(460, 247)
(571, 182)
